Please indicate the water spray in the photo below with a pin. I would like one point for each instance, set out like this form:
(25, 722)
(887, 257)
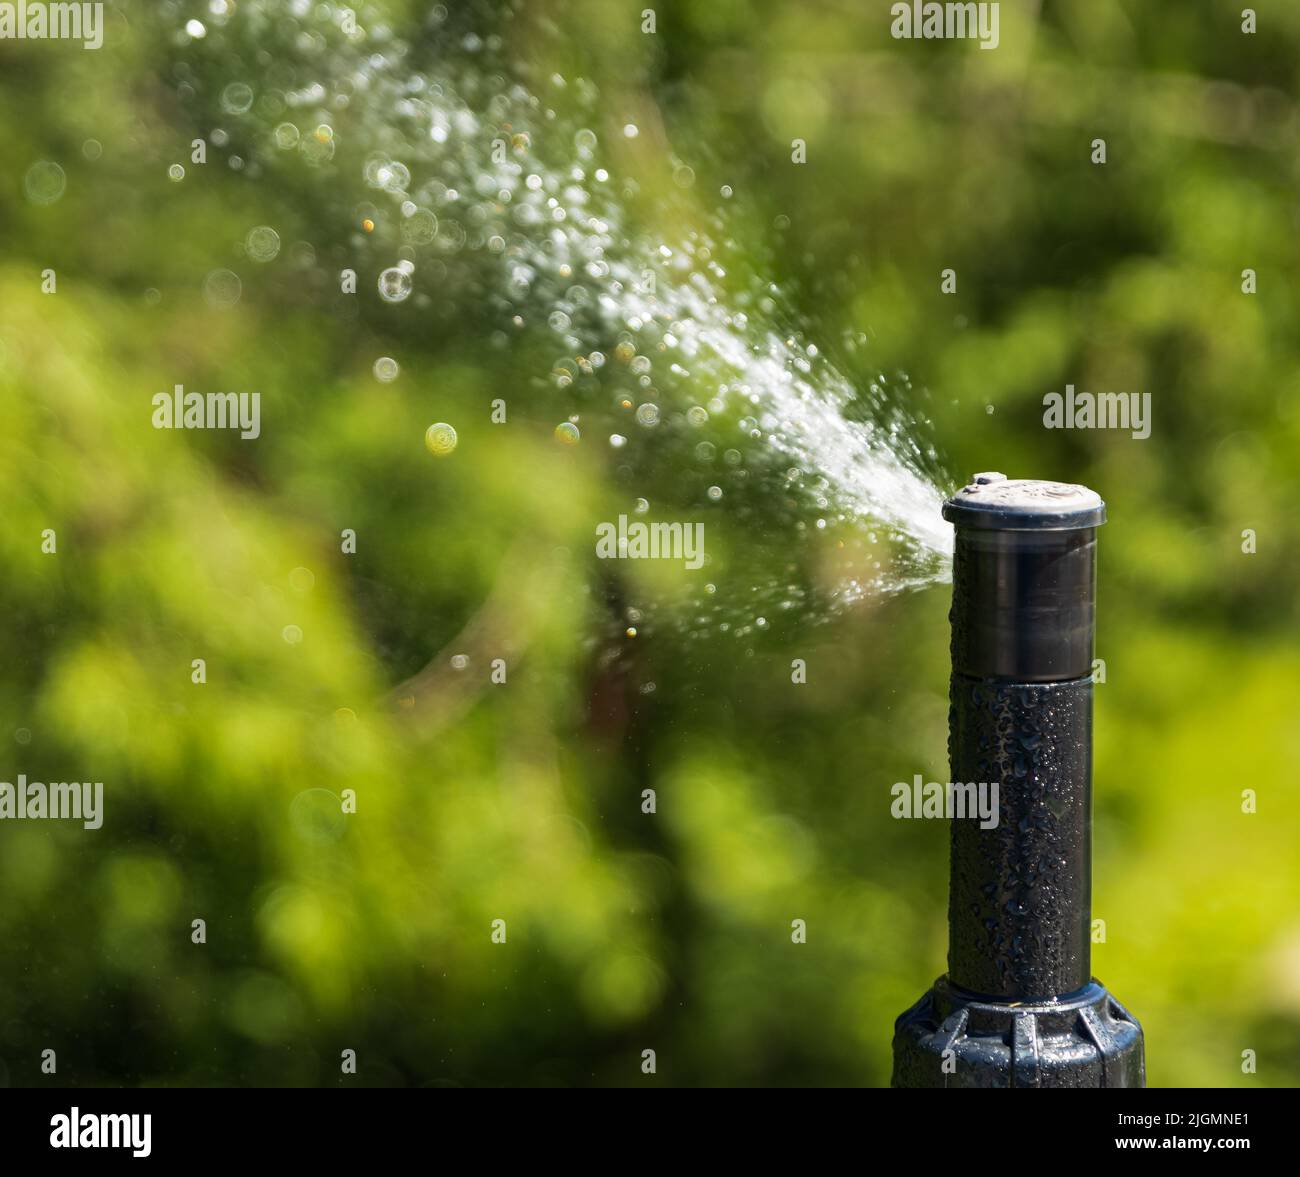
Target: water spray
(1019, 1006)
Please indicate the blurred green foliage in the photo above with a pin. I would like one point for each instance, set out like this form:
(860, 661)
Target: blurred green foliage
(522, 802)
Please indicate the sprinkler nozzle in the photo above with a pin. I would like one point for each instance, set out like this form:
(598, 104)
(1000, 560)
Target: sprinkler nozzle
(1018, 1006)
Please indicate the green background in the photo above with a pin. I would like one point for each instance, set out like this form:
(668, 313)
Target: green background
(522, 801)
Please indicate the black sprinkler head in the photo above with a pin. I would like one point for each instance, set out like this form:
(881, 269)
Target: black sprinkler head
(1018, 1006)
(1024, 579)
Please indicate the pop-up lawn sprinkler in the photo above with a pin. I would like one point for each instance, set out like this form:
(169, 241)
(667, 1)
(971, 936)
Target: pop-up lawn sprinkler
(1019, 1006)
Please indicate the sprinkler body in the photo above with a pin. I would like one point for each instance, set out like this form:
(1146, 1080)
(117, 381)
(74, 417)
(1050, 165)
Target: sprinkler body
(1018, 1006)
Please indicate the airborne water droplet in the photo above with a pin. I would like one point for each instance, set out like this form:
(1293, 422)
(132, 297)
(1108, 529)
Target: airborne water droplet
(394, 284)
(45, 182)
(262, 243)
(440, 439)
(237, 98)
(222, 288)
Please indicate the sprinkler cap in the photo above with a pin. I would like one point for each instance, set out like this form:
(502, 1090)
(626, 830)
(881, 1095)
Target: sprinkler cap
(994, 502)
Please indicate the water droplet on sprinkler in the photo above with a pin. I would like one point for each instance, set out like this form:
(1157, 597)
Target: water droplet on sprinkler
(386, 369)
(176, 173)
(567, 433)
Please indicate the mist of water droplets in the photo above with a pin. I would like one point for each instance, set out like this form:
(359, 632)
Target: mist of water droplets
(461, 186)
